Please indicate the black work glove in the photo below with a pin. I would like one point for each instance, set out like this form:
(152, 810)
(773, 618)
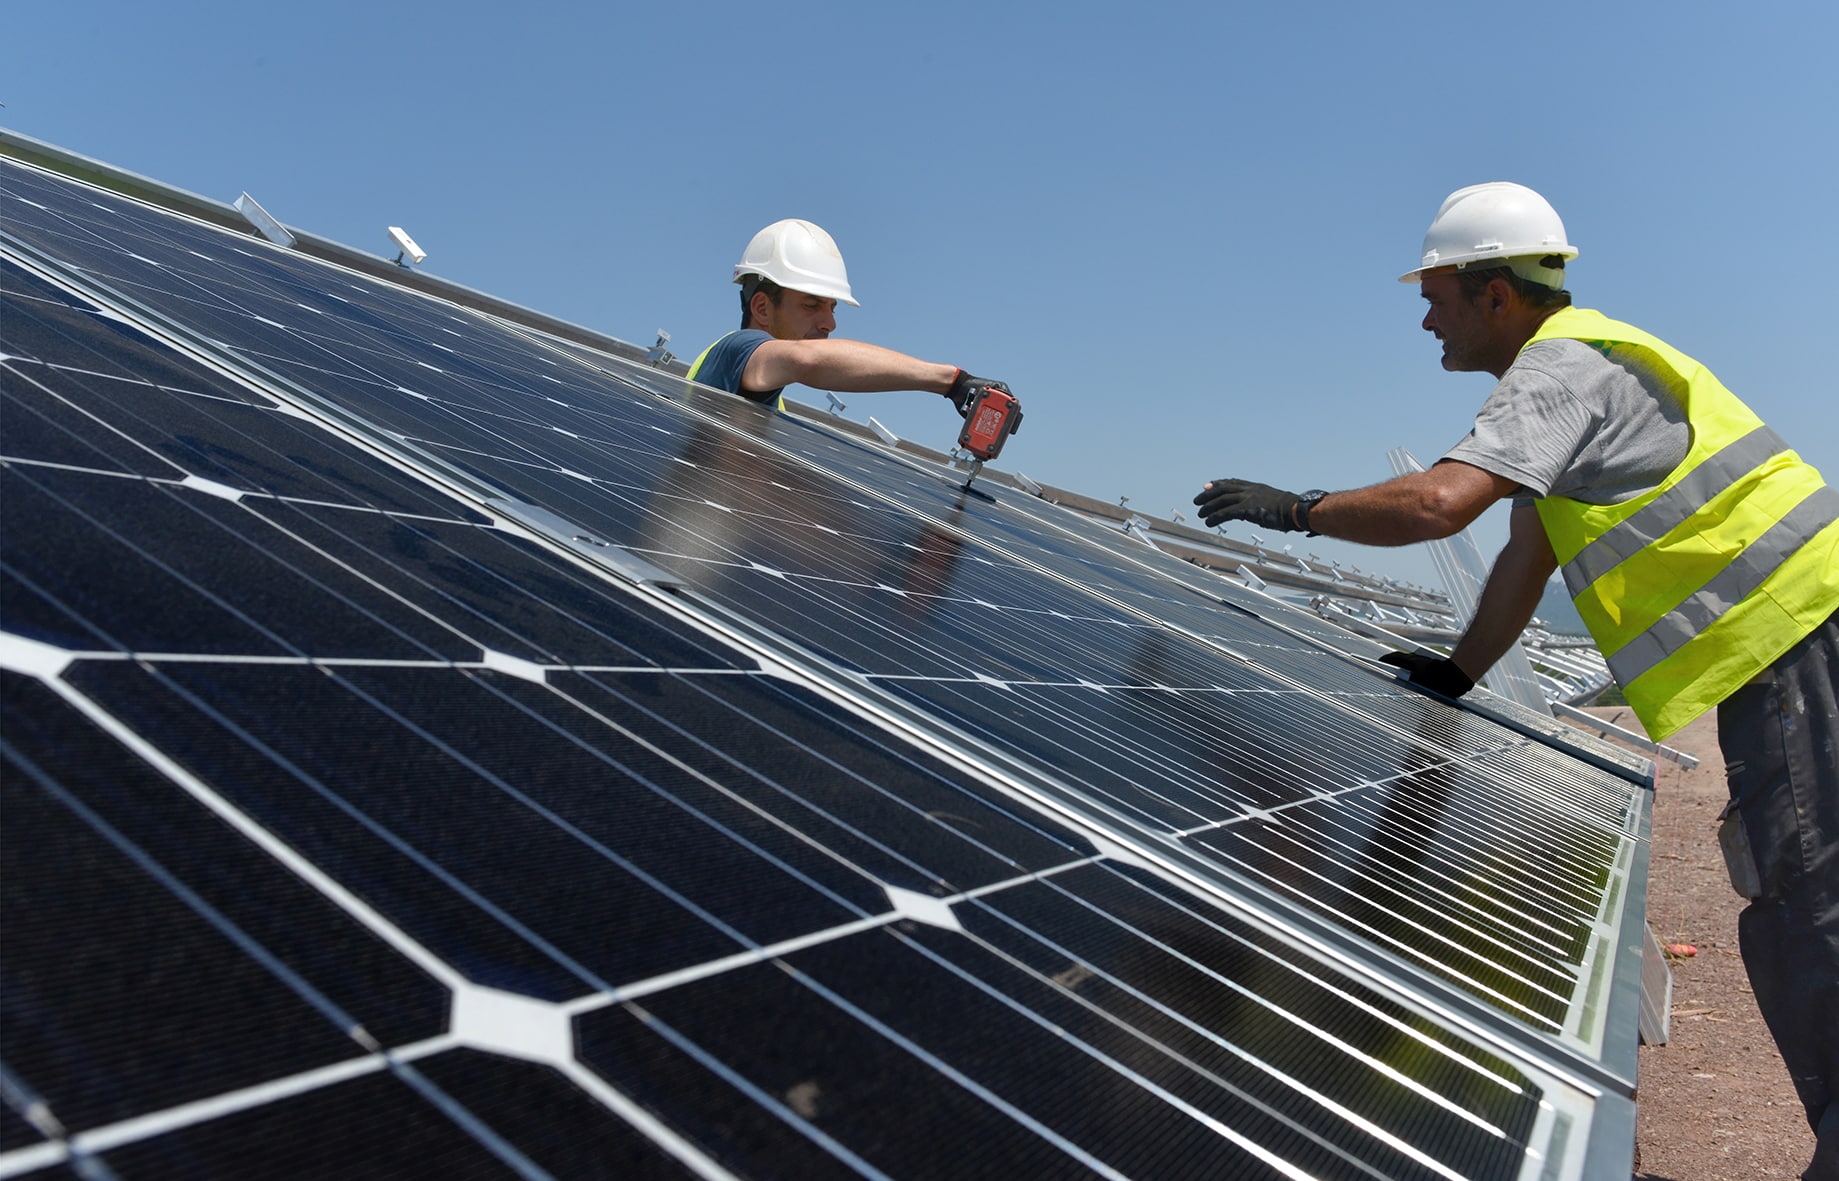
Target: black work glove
(1242, 500)
(1439, 674)
(964, 387)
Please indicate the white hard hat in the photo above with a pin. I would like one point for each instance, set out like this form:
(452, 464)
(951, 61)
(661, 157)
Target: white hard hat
(798, 256)
(1497, 222)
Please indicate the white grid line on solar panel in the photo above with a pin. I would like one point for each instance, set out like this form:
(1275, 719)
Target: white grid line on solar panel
(994, 1099)
(1288, 860)
(883, 917)
(1357, 1059)
(77, 386)
(31, 378)
(1405, 929)
(1523, 839)
(195, 482)
(1605, 799)
(262, 536)
(152, 352)
(859, 781)
(982, 892)
(1190, 747)
(86, 1145)
(1505, 823)
(1167, 793)
(208, 295)
(405, 848)
(1073, 978)
(1053, 527)
(280, 851)
(1436, 1038)
(1204, 618)
(98, 1140)
(407, 943)
(1503, 922)
(1192, 740)
(1532, 831)
(939, 1065)
(260, 355)
(868, 627)
(1506, 798)
(1507, 913)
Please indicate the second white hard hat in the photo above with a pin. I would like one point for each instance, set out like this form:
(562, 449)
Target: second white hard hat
(798, 256)
(1498, 222)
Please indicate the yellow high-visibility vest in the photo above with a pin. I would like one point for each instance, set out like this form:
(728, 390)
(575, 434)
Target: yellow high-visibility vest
(1694, 587)
(696, 366)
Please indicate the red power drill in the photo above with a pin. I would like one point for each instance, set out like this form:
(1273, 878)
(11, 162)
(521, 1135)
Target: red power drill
(989, 420)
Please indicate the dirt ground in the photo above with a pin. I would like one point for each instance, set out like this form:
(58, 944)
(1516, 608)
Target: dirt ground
(1715, 1102)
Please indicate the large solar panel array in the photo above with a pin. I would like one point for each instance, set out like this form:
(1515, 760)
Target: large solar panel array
(433, 748)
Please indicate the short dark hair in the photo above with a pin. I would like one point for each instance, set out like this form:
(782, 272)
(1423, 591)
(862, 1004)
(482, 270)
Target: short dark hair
(1475, 280)
(751, 284)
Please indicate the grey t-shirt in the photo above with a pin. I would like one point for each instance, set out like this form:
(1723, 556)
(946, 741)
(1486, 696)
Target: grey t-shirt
(1568, 419)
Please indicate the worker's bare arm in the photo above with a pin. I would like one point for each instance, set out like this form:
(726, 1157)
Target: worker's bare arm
(846, 366)
(1420, 506)
(1511, 595)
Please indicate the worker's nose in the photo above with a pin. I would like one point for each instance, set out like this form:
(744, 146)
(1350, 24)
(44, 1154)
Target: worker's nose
(1430, 321)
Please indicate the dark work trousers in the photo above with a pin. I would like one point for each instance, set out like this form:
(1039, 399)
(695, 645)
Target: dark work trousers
(1780, 740)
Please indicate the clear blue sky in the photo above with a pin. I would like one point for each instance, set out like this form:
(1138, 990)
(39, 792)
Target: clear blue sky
(1174, 230)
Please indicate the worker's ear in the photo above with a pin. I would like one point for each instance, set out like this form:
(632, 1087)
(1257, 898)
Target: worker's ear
(1498, 296)
(760, 309)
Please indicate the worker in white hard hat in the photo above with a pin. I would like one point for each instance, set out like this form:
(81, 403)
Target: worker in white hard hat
(792, 279)
(1701, 551)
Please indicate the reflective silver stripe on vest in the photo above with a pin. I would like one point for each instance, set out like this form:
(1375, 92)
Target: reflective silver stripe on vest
(1675, 506)
(1733, 584)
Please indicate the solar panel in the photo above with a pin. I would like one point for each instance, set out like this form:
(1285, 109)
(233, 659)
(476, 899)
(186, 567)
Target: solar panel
(527, 763)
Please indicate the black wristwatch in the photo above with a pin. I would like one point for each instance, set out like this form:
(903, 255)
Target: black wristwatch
(1304, 503)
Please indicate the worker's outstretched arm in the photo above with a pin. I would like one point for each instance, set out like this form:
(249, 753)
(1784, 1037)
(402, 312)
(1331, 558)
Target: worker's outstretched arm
(1511, 595)
(1420, 506)
(846, 366)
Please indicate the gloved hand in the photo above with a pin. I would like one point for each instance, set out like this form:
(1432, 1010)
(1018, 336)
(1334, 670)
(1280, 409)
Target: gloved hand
(964, 387)
(1439, 674)
(1242, 500)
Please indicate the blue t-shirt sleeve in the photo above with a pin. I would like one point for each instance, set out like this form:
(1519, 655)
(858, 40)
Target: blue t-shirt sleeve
(726, 360)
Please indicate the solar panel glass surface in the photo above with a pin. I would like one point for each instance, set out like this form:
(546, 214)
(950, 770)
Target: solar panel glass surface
(296, 633)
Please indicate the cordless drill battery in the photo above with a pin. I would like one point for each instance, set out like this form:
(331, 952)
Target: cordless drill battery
(988, 422)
